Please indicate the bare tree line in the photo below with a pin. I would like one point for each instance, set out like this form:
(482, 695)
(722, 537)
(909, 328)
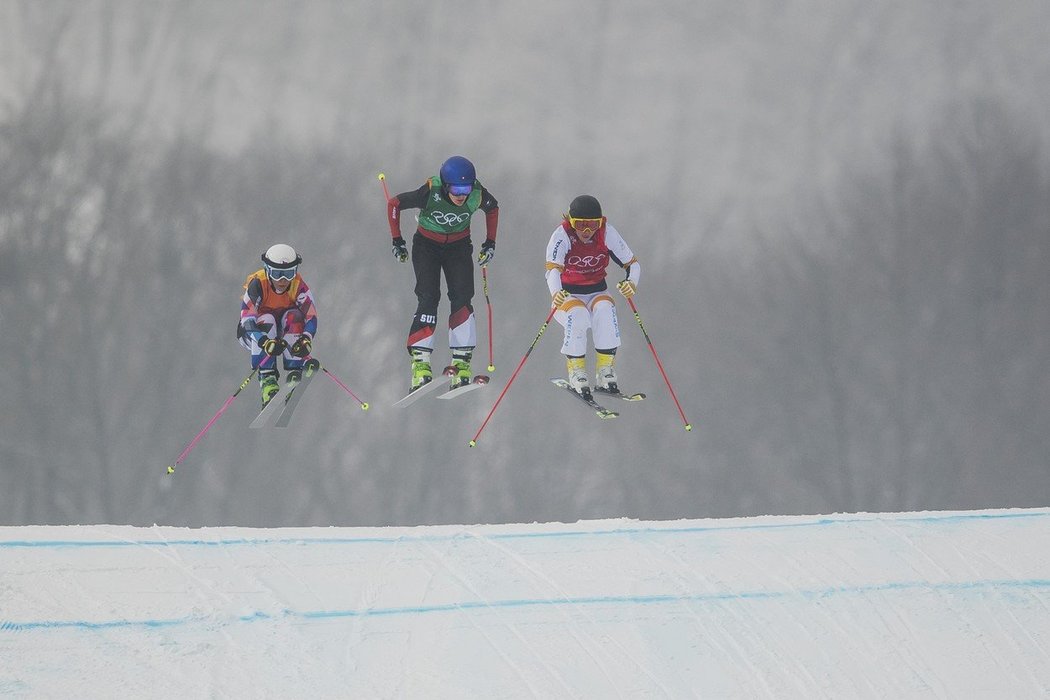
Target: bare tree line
(878, 345)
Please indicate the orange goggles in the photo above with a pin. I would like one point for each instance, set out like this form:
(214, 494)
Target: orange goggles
(585, 225)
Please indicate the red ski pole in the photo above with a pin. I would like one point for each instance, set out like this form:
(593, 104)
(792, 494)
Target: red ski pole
(543, 328)
(364, 404)
(193, 443)
(485, 287)
(344, 387)
(659, 364)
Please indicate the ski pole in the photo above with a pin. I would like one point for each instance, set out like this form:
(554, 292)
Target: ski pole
(485, 287)
(638, 318)
(382, 179)
(344, 387)
(543, 328)
(207, 427)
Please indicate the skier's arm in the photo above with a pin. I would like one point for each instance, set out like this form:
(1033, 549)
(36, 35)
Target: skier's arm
(490, 206)
(304, 299)
(250, 301)
(406, 200)
(621, 253)
(557, 249)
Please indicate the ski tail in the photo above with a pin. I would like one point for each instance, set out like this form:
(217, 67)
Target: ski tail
(620, 394)
(272, 408)
(295, 395)
(479, 381)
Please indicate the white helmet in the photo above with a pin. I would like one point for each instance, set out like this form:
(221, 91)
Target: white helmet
(281, 261)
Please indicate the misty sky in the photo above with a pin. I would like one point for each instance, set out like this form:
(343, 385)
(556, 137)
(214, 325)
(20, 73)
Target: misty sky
(840, 213)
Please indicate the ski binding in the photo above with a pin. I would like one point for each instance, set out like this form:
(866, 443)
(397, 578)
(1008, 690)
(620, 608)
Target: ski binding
(600, 410)
(477, 382)
(619, 394)
(413, 396)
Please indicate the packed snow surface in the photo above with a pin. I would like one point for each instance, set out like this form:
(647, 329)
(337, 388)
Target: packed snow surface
(893, 605)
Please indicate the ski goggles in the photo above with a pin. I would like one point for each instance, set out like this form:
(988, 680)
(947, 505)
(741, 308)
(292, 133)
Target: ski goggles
(281, 273)
(460, 190)
(585, 225)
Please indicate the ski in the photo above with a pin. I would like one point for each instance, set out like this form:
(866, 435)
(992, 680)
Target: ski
(602, 411)
(419, 393)
(269, 410)
(620, 394)
(292, 400)
(477, 382)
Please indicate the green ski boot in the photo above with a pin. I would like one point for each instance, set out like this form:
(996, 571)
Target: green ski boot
(460, 375)
(421, 373)
(269, 385)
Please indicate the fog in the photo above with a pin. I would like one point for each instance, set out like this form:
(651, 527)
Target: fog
(842, 215)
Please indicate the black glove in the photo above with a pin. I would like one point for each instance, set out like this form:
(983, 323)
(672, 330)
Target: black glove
(273, 346)
(301, 347)
(399, 249)
(488, 250)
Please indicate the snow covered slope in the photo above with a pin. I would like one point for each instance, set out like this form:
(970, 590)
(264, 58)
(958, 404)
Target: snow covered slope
(874, 606)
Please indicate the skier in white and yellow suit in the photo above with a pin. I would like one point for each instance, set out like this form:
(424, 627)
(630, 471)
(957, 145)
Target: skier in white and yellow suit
(578, 252)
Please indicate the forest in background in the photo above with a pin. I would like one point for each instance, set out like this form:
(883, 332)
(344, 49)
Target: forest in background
(842, 218)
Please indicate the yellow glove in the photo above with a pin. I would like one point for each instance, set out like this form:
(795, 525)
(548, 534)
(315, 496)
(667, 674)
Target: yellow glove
(273, 346)
(488, 250)
(627, 288)
(559, 298)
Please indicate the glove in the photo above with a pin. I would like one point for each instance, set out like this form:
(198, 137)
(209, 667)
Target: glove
(627, 288)
(488, 250)
(399, 249)
(302, 346)
(559, 298)
(274, 346)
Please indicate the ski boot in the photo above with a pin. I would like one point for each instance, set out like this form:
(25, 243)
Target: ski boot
(577, 367)
(605, 374)
(459, 370)
(421, 373)
(269, 385)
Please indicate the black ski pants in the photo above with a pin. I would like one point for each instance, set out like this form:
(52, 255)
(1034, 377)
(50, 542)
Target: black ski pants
(429, 260)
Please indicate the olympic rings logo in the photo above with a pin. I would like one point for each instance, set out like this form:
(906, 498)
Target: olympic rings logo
(445, 219)
(587, 261)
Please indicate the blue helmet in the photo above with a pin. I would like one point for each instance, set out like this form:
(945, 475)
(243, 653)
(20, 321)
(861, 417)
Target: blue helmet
(457, 170)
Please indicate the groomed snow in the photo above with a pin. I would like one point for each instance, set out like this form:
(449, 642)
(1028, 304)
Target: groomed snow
(910, 605)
